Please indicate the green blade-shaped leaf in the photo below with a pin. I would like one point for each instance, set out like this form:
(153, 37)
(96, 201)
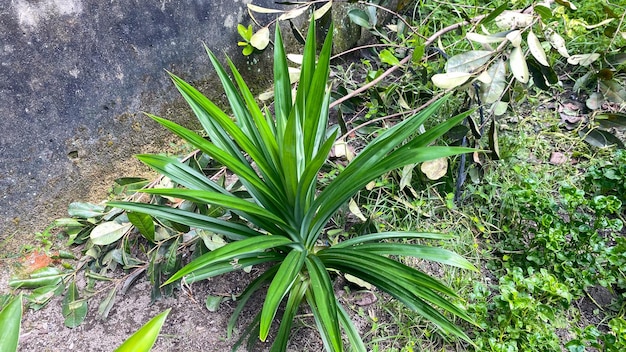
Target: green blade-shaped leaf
(231, 251)
(392, 234)
(144, 338)
(296, 294)
(406, 284)
(316, 106)
(193, 179)
(352, 178)
(254, 144)
(178, 172)
(321, 299)
(220, 268)
(11, 324)
(280, 286)
(356, 343)
(435, 254)
(231, 230)
(282, 87)
(253, 183)
(225, 200)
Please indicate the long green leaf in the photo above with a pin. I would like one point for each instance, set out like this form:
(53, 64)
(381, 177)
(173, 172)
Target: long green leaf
(255, 145)
(268, 143)
(224, 267)
(360, 171)
(10, 324)
(144, 338)
(209, 114)
(389, 235)
(282, 87)
(435, 254)
(315, 118)
(231, 251)
(281, 284)
(193, 179)
(296, 294)
(402, 282)
(231, 230)
(356, 343)
(225, 200)
(321, 299)
(265, 195)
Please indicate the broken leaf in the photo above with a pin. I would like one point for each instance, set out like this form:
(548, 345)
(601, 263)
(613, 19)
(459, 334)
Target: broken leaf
(583, 59)
(515, 37)
(213, 303)
(492, 92)
(484, 39)
(317, 14)
(355, 280)
(512, 20)
(435, 169)
(595, 101)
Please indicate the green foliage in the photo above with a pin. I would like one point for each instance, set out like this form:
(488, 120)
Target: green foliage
(10, 324)
(276, 160)
(144, 338)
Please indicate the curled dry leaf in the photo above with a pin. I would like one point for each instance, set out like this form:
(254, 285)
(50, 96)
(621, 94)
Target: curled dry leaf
(518, 65)
(450, 80)
(534, 45)
(583, 59)
(435, 169)
(259, 9)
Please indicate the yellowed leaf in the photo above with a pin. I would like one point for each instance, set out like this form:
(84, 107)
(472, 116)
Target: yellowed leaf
(293, 13)
(518, 65)
(515, 37)
(259, 9)
(435, 169)
(450, 80)
(260, 39)
(534, 45)
(322, 10)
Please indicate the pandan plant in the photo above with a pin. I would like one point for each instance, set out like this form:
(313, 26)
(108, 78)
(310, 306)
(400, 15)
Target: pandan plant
(277, 158)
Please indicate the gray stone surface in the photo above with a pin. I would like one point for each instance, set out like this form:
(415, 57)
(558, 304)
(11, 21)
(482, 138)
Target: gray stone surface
(74, 75)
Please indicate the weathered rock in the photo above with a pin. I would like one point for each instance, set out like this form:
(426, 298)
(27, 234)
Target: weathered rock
(74, 76)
